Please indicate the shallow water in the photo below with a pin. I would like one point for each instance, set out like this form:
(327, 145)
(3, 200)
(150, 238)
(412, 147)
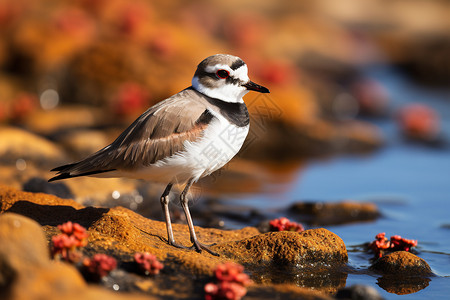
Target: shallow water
(409, 182)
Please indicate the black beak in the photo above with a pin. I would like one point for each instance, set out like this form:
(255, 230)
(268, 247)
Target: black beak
(251, 86)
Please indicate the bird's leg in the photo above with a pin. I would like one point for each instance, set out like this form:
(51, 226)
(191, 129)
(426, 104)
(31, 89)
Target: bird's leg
(184, 203)
(165, 208)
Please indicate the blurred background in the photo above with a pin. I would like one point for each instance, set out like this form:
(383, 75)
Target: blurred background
(359, 106)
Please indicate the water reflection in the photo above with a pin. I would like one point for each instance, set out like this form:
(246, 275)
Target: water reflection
(327, 280)
(402, 285)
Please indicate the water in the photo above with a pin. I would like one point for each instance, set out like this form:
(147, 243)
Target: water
(410, 183)
(411, 187)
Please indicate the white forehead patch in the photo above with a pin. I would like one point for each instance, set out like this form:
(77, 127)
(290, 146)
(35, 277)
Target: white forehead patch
(240, 73)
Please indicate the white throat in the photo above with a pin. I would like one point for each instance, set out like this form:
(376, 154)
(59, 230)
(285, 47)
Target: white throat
(227, 92)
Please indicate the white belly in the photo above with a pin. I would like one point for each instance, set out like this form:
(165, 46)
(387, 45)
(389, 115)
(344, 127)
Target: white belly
(219, 144)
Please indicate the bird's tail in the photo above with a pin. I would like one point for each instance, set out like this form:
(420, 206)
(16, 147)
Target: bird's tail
(75, 170)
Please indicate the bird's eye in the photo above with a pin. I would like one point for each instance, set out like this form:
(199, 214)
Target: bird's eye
(223, 74)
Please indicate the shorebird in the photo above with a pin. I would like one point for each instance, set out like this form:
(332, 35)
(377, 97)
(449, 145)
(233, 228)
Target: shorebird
(182, 138)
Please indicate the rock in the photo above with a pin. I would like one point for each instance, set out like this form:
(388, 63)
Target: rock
(310, 247)
(434, 72)
(23, 242)
(358, 292)
(335, 213)
(19, 146)
(121, 233)
(25, 262)
(10, 197)
(403, 273)
(285, 292)
(7, 276)
(313, 258)
(40, 185)
(402, 263)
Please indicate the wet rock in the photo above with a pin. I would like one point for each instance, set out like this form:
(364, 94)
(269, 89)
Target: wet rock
(358, 292)
(25, 262)
(402, 263)
(335, 213)
(313, 258)
(19, 146)
(314, 246)
(403, 272)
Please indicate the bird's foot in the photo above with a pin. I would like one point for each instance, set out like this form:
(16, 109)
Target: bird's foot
(176, 245)
(199, 247)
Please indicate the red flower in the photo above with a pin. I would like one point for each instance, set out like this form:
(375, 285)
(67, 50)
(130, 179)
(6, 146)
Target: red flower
(73, 236)
(224, 290)
(63, 241)
(231, 283)
(398, 243)
(76, 231)
(381, 244)
(283, 224)
(231, 272)
(100, 265)
(148, 263)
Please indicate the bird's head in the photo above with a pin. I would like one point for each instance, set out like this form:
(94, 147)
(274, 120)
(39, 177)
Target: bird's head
(224, 77)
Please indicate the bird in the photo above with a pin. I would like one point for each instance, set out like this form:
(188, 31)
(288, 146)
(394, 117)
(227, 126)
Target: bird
(180, 139)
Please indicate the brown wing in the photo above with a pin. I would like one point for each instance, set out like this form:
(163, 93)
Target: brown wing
(157, 133)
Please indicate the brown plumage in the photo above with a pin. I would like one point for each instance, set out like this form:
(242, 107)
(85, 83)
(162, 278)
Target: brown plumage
(158, 133)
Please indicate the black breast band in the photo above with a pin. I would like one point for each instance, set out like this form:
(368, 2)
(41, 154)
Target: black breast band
(235, 113)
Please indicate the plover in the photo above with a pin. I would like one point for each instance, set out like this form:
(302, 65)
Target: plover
(182, 138)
